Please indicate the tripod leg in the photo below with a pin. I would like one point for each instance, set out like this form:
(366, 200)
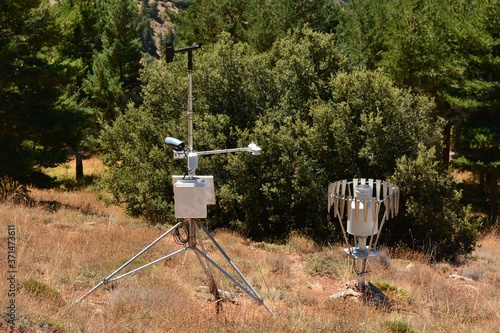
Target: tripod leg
(148, 264)
(205, 263)
(208, 270)
(253, 294)
(229, 260)
(89, 292)
(107, 279)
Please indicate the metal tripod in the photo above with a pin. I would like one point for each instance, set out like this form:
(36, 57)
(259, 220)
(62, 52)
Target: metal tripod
(195, 243)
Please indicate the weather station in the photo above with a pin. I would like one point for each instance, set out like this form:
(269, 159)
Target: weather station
(360, 202)
(192, 194)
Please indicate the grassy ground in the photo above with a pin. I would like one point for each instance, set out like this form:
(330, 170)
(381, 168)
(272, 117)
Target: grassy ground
(68, 242)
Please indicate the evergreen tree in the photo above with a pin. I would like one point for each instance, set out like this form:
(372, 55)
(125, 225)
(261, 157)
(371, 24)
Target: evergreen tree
(360, 31)
(33, 79)
(410, 41)
(114, 82)
(204, 20)
(78, 24)
(147, 40)
(273, 19)
(257, 22)
(154, 12)
(476, 98)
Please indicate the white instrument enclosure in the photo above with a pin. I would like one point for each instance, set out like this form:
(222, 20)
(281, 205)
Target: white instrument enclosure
(192, 196)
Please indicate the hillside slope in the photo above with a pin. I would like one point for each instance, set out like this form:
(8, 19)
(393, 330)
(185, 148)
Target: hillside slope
(67, 242)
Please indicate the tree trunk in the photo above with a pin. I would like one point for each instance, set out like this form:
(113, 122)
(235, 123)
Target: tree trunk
(493, 196)
(79, 166)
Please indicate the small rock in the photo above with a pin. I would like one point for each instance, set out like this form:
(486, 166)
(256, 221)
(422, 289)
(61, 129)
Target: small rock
(351, 292)
(203, 292)
(459, 277)
(344, 294)
(340, 294)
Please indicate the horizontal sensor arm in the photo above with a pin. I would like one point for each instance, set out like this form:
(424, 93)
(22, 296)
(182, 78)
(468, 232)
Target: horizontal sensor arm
(253, 148)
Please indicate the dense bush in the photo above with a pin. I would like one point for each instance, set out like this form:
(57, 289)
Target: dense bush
(432, 219)
(315, 123)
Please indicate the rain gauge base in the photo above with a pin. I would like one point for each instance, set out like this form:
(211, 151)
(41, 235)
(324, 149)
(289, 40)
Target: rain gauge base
(356, 253)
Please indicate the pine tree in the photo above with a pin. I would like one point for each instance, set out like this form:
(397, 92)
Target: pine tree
(147, 40)
(78, 24)
(409, 40)
(114, 82)
(476, 98)
(33, 79)
(257, 22)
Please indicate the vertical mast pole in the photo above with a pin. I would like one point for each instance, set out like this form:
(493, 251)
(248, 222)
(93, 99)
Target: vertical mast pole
(190, 101)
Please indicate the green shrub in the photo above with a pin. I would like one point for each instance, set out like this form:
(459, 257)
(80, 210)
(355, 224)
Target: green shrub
(432, 219)
(395, 294)
(398, 326)
(323, 264)
(41, 290)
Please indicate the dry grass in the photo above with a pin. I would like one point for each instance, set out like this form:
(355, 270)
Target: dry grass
(64, 175)
(70, 241)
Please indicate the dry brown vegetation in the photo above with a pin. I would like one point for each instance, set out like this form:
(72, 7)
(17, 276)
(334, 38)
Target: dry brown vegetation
(69, 241)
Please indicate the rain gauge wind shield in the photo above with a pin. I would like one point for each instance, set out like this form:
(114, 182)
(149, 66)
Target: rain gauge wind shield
(192, 194)
(361, 202)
